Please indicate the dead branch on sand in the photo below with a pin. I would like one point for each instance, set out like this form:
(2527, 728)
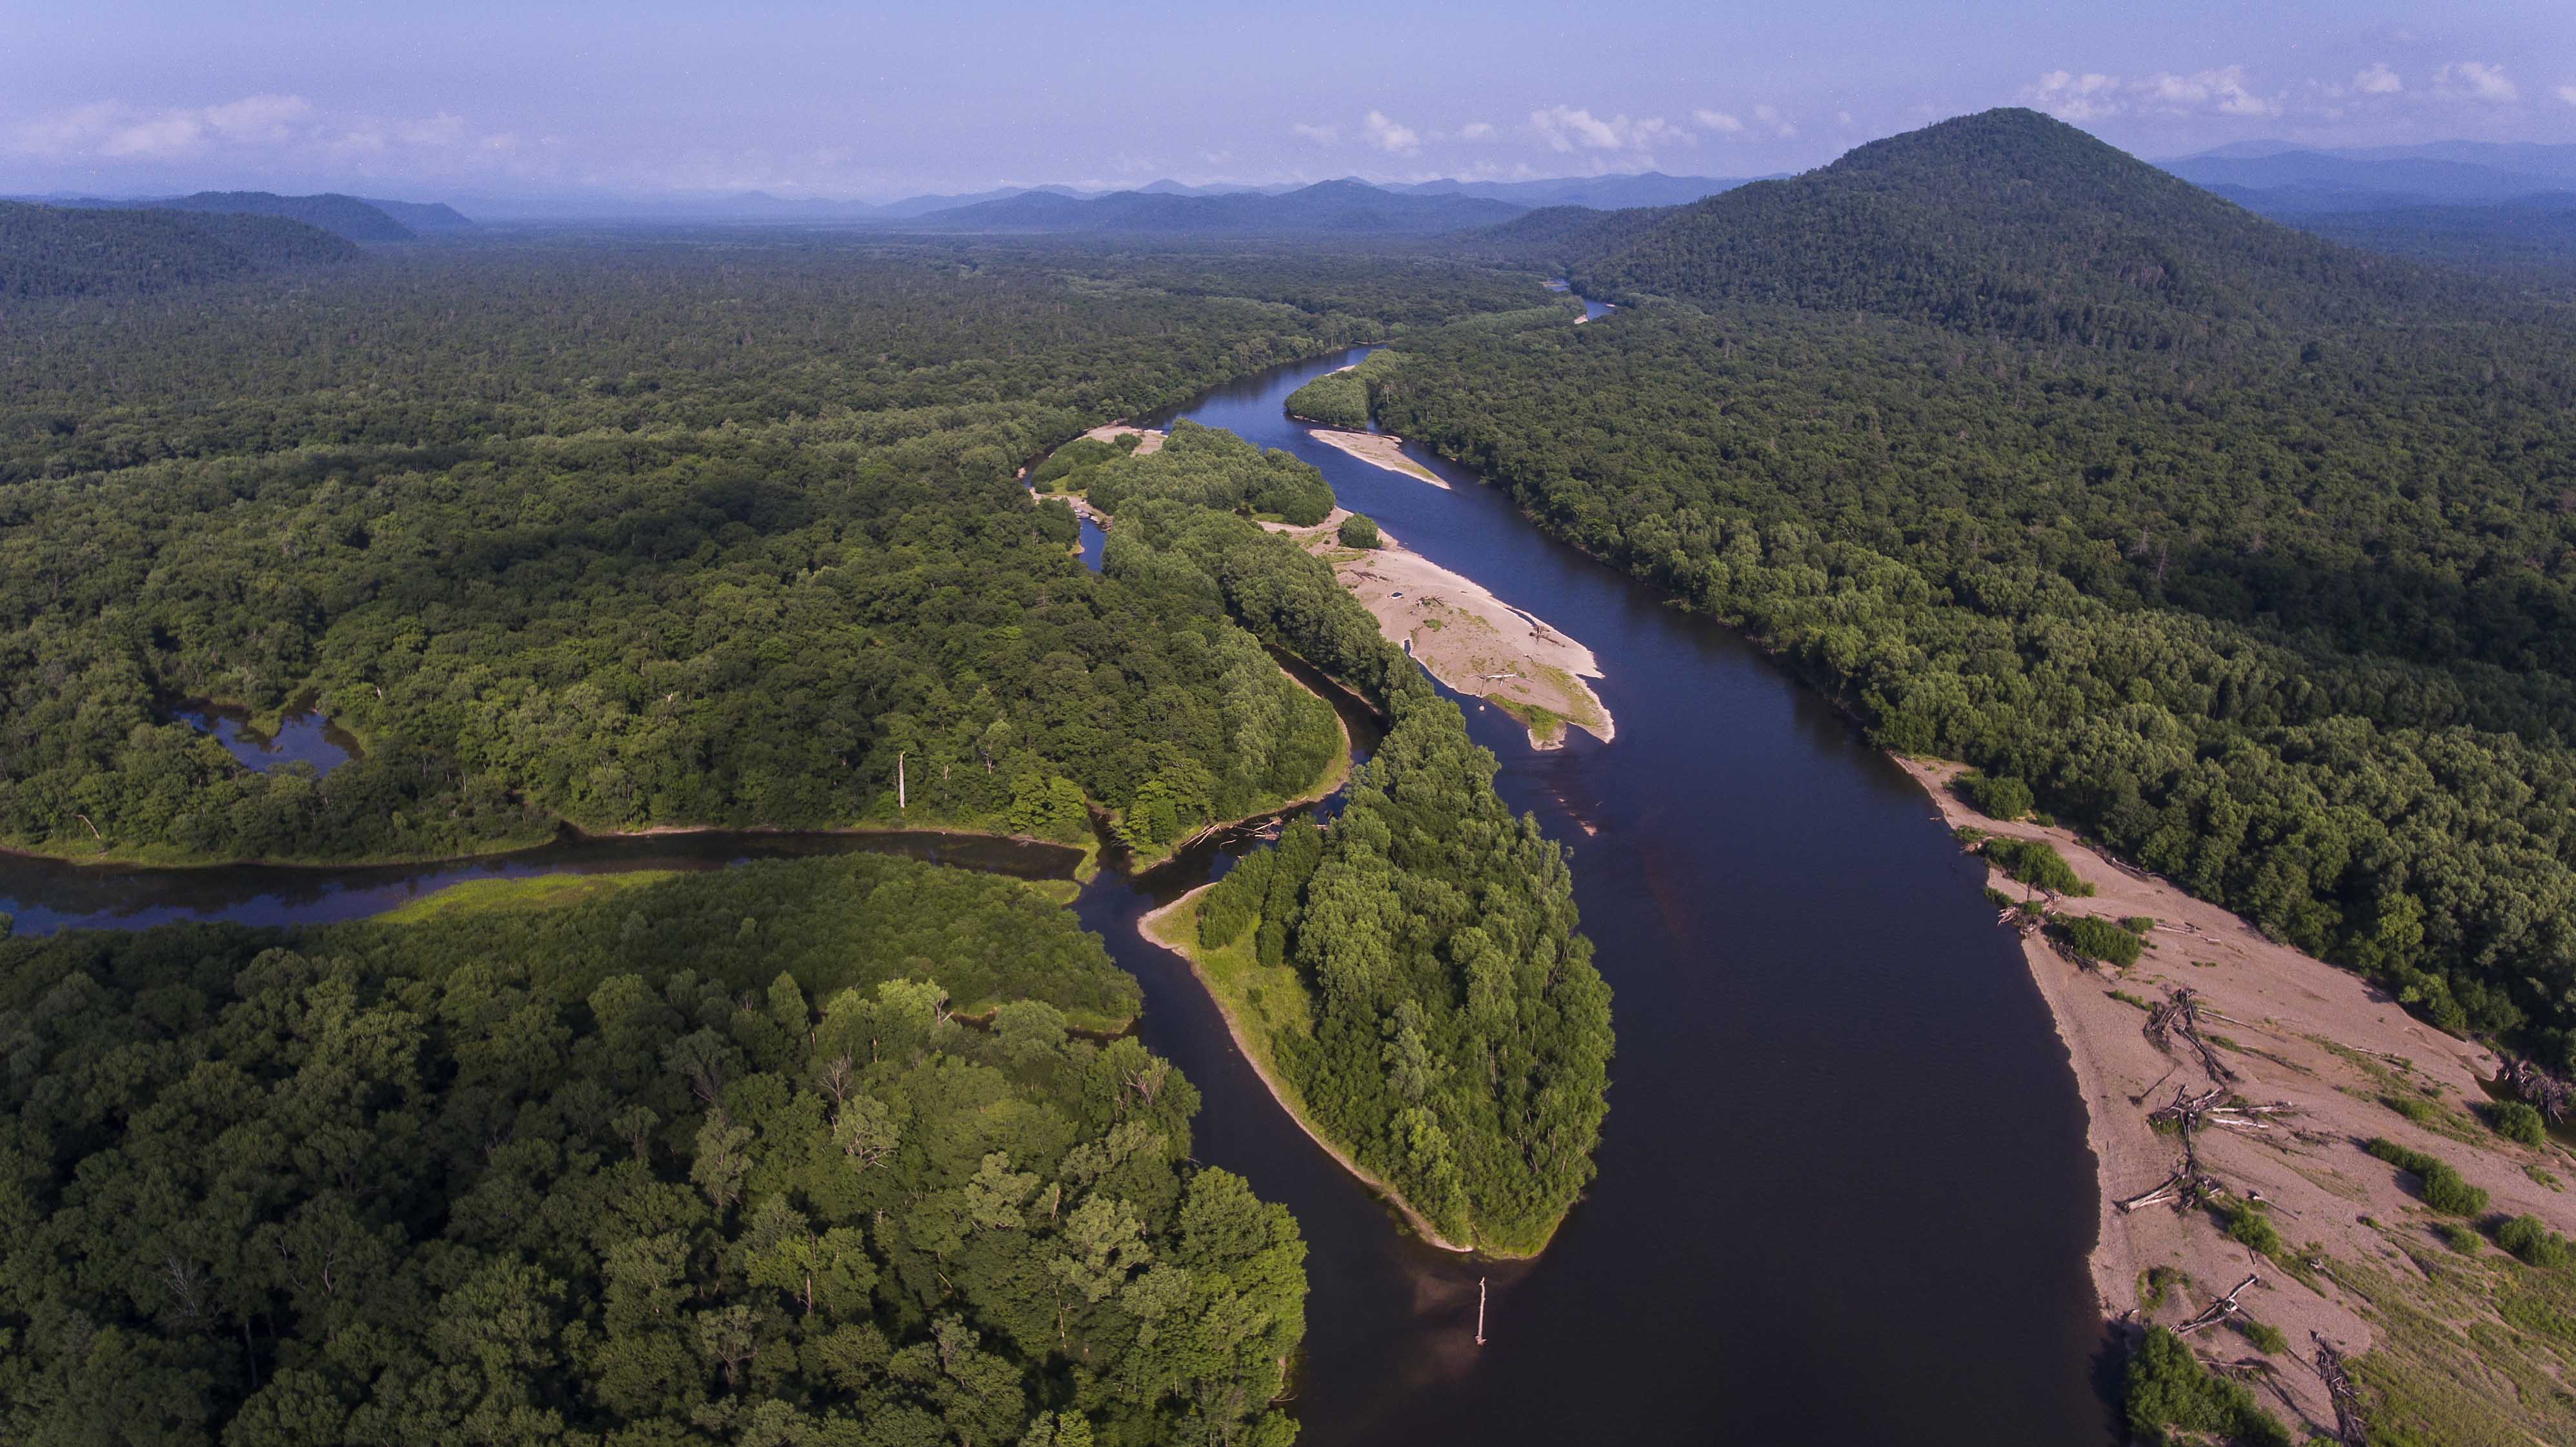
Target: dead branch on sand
(2219, 1310)
(2192, 1184)
(2351, 1430)
(2180, 1015)
(2538, 1088)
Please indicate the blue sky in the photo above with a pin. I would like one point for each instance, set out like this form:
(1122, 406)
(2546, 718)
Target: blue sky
(646, 97)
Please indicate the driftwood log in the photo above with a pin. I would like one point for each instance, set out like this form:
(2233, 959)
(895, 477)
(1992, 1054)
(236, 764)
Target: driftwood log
(2351, 1429)
(2191, 1183)
(2180, 1017)
(2219, 1310)
(2538, 1088)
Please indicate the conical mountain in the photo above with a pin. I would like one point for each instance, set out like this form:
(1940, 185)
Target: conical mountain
(2001, 222)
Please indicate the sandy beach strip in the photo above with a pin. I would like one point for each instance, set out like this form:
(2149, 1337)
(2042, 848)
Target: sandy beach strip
(1469, 639)
(1148, 442)
(1377, 449)
(2292, 1029)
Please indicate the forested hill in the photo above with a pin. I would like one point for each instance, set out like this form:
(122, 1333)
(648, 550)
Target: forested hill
(340, 215)
(1336, 207)
(423, 218)
(2003, 222)
(57, 251)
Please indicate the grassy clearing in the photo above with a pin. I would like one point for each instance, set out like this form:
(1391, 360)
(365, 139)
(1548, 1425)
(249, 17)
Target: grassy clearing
(1054, 891)
(1545, 725)
(541, 891)
(1266, 1003)
(2475, 1352)
(1591, 716)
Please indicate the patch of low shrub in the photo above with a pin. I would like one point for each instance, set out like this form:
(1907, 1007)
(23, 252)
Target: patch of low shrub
(2171, 1398)
(2532, 1242)
(2036, 862)
(2518, 1123)
(2444, 1190)
(2005, 798)
(1358, 531)
(2246, 1224)
(2098, 939)
(2266, 1338)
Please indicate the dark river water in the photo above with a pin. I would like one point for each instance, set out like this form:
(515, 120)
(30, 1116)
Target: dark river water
(1844, 1195)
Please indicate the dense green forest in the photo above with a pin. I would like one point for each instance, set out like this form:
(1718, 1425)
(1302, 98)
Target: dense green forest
(2279, 607)
(454, 1181)
(1458, 1035)
(2531, 242)
(48, 251)
(658, 534)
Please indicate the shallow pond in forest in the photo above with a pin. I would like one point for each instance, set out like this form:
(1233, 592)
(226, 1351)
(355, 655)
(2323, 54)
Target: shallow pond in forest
(301, 738)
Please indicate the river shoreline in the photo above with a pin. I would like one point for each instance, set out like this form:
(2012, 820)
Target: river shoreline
(564, 832)
(1325, 786)
(1184, 910)
(2292, 1029)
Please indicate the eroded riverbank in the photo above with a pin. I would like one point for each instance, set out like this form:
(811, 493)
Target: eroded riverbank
(2347, 1062)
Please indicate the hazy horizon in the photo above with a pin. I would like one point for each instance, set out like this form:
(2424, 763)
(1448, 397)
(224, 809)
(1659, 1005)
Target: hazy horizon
(657, 100)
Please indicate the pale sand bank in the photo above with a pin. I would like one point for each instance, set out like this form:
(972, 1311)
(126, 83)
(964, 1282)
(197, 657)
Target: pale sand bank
(1377, 449)
(1152, 441)
(2283, 1009)
(1469, 639)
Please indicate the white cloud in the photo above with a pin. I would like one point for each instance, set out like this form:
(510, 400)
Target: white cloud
(2475, 80)
(286, 132)
(1475, 131)
(2092, 96)
(115, 130)
(2567, 93)
(1394, 139)
(1770, 116)
(2221, 90)
(1320, 135)
(2072, 97)
(2378, 80)
(1718, 121)
(1571, 128)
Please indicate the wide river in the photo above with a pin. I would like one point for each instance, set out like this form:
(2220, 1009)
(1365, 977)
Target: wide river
(1844, 1195)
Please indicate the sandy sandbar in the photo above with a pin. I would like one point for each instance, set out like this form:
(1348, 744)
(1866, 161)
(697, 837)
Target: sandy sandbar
(2285, 1012)
(1377, 449)
(1150, 441)
(1469, 639)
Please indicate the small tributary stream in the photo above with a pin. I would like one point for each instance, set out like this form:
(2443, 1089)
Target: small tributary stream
(1844, 1195)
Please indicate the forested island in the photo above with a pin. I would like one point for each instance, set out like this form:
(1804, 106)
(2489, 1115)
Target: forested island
(1419, 993)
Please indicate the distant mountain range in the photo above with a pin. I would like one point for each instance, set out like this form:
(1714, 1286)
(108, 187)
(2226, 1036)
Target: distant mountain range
(1599, 192)
(2477, 204)
(2445, 173)
(1334, 207)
